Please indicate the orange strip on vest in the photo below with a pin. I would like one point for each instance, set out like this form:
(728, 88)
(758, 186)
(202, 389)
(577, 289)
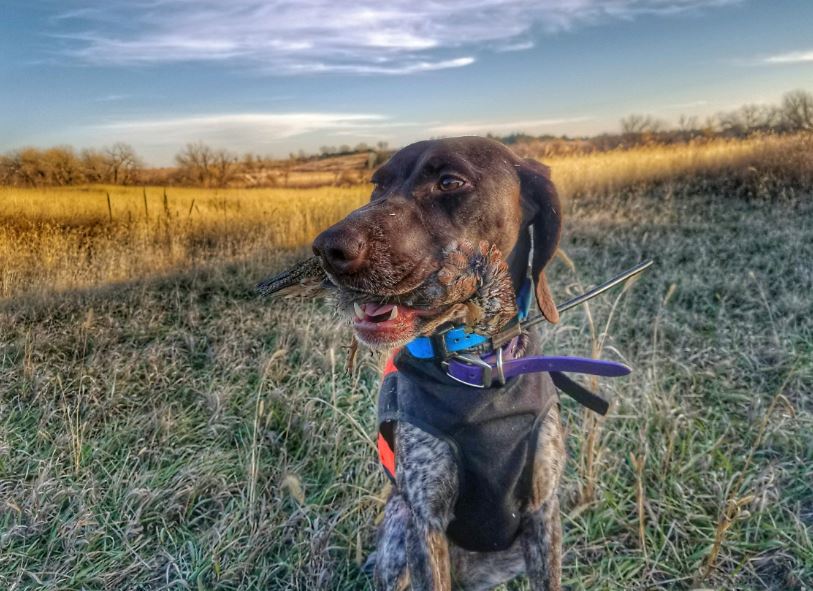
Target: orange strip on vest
(386, 455)
(390, 365)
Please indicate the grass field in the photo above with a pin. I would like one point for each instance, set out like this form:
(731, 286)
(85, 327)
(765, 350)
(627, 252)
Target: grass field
(162, 428)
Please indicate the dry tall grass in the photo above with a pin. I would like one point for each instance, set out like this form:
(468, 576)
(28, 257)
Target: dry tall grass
(750, 163)
(74, 237)
(68, 237)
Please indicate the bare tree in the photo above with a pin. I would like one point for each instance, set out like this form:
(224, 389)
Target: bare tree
(6, 170)
(773, 117)
(60, 166)
(688, 123)
(123, 162)
(638, 124)
(95, 166)
(797, 110)
(195, 162)
(25, 167)
(730, 123)
(224, 165)
(250, 163)
(33, 167)
(747, 119)
(633, 124)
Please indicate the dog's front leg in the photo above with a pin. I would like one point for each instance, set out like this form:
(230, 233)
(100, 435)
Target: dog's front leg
(390, 557)
(426, 476)
(428, 557)
(542, 546)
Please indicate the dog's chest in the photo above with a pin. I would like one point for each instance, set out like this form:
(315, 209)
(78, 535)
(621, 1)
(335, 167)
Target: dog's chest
(492, 433)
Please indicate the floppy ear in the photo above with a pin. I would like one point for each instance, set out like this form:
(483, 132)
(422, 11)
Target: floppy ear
(541, 208)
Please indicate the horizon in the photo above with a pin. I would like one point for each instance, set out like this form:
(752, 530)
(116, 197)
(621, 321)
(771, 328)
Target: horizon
(278, 77)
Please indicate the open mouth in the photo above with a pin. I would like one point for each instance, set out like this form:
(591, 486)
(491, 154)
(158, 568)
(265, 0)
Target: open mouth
(380, 323)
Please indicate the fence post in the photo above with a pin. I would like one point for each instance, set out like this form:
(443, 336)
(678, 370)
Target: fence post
(166, 205)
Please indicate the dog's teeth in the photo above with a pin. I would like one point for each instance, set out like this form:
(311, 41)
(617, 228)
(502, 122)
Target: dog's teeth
(394, 313)
(359, 311)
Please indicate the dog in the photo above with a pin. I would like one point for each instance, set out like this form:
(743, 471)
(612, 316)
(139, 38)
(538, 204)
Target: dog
(430, 198)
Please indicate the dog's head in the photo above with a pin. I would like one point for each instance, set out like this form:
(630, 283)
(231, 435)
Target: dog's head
(428, 196)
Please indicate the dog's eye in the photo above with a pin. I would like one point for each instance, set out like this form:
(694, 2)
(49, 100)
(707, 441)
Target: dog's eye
(450, 183)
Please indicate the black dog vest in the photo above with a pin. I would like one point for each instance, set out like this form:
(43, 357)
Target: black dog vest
(492, 431)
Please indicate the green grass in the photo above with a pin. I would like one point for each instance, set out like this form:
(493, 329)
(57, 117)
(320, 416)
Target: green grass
(179, 433)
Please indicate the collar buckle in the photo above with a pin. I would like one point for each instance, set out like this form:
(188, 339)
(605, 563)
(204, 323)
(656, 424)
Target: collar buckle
(488, 377)
(473, 360)
(514, 329)
(438, 339)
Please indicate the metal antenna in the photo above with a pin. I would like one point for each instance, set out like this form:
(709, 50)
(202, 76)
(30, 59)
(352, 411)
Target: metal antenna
(620, 278)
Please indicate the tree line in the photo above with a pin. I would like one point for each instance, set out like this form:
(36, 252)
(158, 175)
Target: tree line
(198, 164)
(62, 165)
(794, 114)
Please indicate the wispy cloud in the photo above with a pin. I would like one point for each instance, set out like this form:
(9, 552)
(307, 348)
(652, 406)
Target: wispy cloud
(792, 57)
(234, 129)
(480, 127)
(681, 106)
(519, 46)
(110, 98)
(316, 36)
(264, 132)
(407, 68)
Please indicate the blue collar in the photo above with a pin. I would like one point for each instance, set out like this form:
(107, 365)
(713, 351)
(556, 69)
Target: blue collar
(456, 339)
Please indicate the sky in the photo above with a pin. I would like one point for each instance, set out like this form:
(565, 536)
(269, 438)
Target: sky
(277, 76)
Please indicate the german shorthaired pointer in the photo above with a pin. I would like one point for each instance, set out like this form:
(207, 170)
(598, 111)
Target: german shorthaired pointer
(475, 451)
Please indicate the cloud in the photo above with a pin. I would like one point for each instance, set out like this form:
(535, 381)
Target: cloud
(481, 127)
(271, 132)
(519, 46)
(323, 36)
(407, 68)
(109, 98)
(792, 57)
(235, 129)
(686, 105)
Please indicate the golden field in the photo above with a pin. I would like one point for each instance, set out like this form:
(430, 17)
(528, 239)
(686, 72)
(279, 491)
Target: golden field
(65, 238)
(68, 238)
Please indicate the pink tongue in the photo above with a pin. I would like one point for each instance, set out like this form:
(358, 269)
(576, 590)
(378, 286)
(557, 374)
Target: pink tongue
(378, 310)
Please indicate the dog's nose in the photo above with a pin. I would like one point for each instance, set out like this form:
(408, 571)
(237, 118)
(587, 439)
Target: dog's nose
(343, 249)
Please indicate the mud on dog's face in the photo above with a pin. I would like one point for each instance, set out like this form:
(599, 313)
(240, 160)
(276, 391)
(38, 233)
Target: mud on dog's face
(384, 257)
